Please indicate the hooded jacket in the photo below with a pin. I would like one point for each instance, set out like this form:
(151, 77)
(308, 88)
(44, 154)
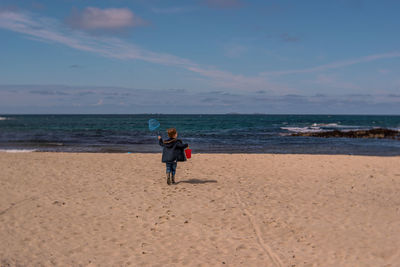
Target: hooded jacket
(173, 150)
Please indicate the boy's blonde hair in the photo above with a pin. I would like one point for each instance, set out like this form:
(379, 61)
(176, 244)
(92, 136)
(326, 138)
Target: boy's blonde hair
(171, 132)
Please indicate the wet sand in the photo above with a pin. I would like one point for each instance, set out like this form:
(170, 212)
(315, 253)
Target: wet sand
(68, 209)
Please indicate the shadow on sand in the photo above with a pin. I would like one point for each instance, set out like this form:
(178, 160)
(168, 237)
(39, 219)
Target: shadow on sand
(197, 181)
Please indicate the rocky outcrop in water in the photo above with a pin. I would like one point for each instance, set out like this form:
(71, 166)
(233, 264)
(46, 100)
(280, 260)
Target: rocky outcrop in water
(373, 133)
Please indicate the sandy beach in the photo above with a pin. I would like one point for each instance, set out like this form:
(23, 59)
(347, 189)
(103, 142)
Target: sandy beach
(69, 209)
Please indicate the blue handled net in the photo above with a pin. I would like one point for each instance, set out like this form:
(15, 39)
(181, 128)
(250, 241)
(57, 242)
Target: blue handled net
(153, 124)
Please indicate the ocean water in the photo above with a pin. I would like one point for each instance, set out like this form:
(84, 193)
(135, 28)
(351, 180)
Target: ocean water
(205, 133)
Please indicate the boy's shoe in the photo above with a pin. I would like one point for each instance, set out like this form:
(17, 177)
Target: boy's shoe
(168, 178)
(173, 178)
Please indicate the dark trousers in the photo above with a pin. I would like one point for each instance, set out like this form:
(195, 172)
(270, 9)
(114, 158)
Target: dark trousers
(171, 167)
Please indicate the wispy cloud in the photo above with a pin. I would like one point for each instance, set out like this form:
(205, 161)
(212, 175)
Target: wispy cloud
(331, 81)
(228, 80)
(50, 30)
(335, 65)
(94, 19)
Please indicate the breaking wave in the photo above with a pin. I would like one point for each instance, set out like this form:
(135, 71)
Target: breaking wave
(17, 150)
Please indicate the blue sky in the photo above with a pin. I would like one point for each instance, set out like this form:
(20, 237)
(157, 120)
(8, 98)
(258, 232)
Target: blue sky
(200, 56)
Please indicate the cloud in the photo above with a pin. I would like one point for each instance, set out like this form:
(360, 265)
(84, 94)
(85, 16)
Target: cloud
(19, 99)
(85, 93)
(335, 65)
(99, 103)
(177, 90)
(228, 80)
(223, 3)
(48, 92)
(332, 81)
(209, 99)
(94, 19)
(50, 30)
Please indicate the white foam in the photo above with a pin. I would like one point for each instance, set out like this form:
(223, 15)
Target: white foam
(333, 125)
(303, 129)
(326, 125)
(3, 118)
(17, 150)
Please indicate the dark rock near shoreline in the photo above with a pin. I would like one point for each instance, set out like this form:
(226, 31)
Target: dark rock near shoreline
(373, 133)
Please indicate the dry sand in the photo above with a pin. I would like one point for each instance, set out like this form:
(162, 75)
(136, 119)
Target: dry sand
(61, 209)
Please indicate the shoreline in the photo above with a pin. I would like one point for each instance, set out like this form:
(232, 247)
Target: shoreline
(18, 151)
(103, 209)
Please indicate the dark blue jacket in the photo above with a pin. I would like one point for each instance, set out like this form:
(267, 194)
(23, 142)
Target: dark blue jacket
(173, 150)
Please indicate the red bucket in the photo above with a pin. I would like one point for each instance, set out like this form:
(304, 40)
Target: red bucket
(188, 153)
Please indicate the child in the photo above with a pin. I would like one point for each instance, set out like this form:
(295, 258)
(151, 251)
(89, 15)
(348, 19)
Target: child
(173, 151)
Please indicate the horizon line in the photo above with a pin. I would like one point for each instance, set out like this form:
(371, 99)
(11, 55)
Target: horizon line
(206, 114)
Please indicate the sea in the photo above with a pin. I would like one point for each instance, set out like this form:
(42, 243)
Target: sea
(229, 133)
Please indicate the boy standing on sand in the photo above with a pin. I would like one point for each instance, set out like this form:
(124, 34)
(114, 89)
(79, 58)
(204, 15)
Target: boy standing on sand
(173, 151)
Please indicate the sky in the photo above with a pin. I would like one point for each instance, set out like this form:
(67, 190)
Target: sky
(199, 56)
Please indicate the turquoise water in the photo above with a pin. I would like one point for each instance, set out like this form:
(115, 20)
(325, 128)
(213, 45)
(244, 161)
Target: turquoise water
(204, 133)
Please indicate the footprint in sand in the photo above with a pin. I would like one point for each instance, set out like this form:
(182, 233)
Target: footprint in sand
(59, 203)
